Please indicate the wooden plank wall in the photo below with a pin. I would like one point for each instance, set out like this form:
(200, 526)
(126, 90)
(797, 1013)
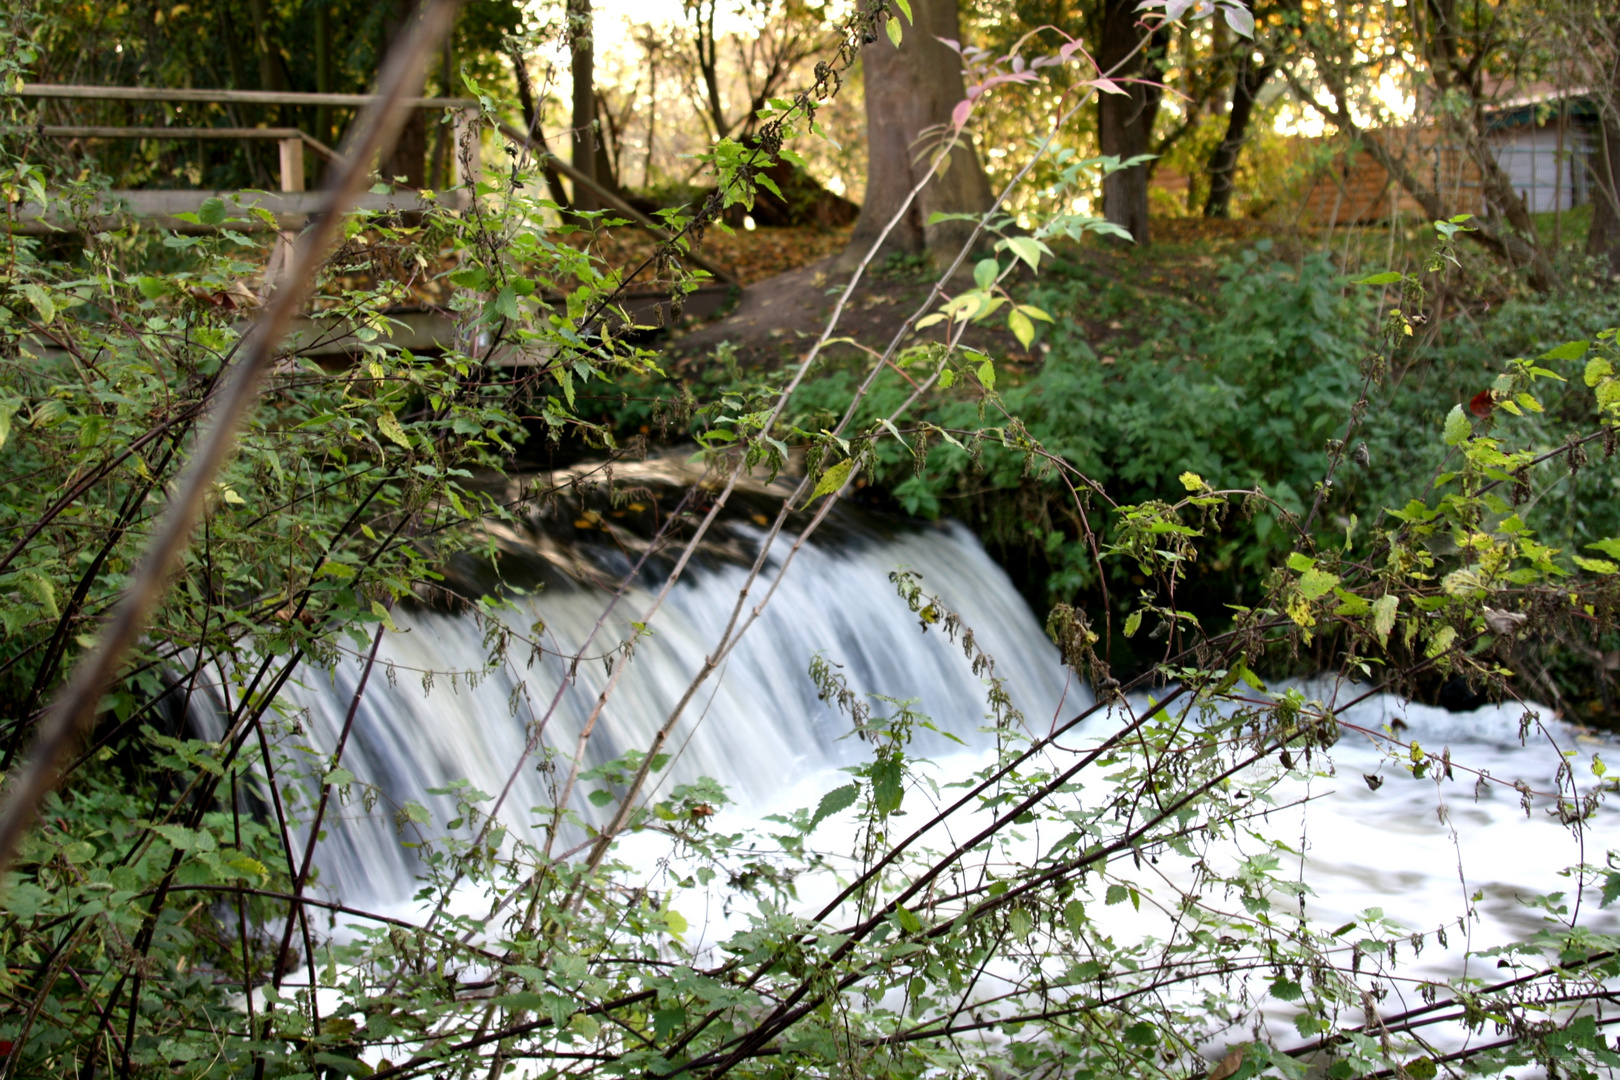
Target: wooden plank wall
(1355, 189)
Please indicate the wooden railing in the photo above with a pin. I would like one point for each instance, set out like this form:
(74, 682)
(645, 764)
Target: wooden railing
(290, 209)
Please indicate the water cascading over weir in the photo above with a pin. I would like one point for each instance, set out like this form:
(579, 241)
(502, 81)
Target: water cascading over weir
(437, 709)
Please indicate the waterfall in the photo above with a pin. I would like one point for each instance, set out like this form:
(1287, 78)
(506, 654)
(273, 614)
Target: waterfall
(757, 726)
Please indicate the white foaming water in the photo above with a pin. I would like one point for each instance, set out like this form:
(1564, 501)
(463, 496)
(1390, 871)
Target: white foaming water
(1417, 849)
(756, 726)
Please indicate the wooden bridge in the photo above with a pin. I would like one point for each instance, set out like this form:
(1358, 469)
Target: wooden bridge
(419, 328)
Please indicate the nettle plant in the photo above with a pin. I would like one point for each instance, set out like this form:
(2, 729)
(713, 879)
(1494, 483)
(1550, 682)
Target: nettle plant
(165, 916)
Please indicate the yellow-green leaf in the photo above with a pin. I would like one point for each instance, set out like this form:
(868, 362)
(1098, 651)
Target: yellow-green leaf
(1457, 426)
(987, 375)
(42, 303)
(1022, 328)
(385, 615)
(388, 424)
(1441, 641)
(1315, 583)
(893, 27)
(1383, 612)
(1598, 369)
(833, 479)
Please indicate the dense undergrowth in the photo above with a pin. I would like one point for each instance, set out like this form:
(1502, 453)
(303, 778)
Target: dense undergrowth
(1243, 371)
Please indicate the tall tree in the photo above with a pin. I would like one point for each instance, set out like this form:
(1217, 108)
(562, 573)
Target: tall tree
(408, 161)
(1125, 120)
(1592, 32)
(583, 71)
(910, 92)
(1250, 73)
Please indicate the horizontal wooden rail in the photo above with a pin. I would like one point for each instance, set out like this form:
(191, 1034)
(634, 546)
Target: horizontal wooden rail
(239, 97)
(93, 131)
(292, 209)
(71, 131)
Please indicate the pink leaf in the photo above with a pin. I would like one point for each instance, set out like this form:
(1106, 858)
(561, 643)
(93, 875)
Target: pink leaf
(1107, 86)
(960, 114)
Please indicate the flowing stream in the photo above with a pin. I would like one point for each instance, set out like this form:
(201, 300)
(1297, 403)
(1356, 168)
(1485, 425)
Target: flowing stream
(757, 725)
(1418, 849)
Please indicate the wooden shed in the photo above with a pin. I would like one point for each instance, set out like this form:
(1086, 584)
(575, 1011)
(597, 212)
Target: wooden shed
(1542, 139)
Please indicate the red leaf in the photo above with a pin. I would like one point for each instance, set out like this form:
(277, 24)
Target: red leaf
(1482, 404)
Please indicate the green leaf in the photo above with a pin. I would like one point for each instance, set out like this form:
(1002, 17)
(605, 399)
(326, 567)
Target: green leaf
(1299, 562)
(1133, 622)
(212, 211)
(152, 287)
(1029, 249)
(1314, 583)
(1074, 915)
(1569, 350)
(839, 798)
(1286, 990)
(675, 921)
(384, 615)
(833, 479)
(418, 813)
(985, 272)
(1422, 1068)
(44, 593)
(1117, 894)
(1457, 426)
(888, 777)
(987, 375)
(1609, 547)
(1388, 277)
(1034, 312)
(908, 921)
(1598, 369)
(1596, 566)
(905, 9)
(1441, 641)
(893, 28)
(1022, 328)
(42, 302)
(1142, 1034)
(1383, 612)
(339, 777)
(179, 837)
(1020, 924)
(388, 424)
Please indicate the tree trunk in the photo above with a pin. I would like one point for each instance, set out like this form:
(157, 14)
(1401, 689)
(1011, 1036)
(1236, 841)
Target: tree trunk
(323, 69)
(532, 123)
(1125, 121)
(909, 90)
(1247, 82)
(408, 162)
(1604, 165)
(583, 137)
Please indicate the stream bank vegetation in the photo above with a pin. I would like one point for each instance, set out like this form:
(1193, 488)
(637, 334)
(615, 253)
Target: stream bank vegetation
(165, 914)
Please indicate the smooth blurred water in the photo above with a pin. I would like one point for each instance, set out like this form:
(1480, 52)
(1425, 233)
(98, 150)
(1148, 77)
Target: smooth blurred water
(757, 725)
